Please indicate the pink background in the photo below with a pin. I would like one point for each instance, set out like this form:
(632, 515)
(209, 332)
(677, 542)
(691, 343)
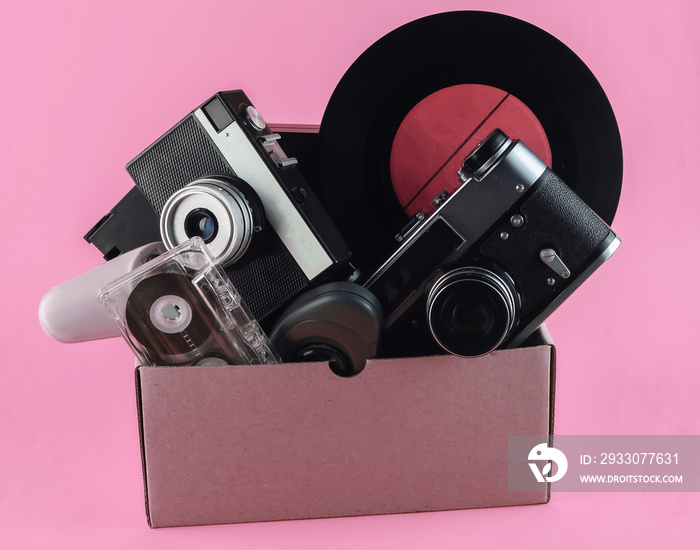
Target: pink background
(87, 85)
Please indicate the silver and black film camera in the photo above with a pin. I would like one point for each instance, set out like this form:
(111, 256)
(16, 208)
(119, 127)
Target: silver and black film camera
(220, 174)
(496, 258)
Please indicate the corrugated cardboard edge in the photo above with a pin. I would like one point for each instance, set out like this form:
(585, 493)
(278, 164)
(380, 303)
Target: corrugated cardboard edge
(546, 339)
(141, 442)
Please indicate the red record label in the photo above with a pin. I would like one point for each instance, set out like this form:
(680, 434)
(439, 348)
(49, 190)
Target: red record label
(439, 133)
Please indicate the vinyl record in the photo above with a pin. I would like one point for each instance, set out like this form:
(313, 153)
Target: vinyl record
(166, 317)
(410, 109)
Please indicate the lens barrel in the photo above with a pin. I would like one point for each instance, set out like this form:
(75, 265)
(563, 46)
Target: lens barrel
(216, 209)
(471, 311)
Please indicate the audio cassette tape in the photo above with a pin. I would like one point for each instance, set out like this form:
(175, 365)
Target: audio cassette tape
(181, 309)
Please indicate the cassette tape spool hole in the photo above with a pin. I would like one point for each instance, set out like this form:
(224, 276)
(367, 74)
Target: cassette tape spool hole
(170, 314)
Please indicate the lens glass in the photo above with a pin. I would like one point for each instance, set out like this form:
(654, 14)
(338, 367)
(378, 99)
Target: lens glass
(201, 223)
(470, 315)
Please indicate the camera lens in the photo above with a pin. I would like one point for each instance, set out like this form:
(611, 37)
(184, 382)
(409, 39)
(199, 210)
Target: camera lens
(201, 223)
(471, 311)
(225, 213)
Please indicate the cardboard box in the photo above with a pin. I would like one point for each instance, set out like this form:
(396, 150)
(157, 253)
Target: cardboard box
(258, 443)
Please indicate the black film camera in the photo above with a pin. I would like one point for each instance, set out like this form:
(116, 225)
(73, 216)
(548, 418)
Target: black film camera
(220, 174)
(496, 258)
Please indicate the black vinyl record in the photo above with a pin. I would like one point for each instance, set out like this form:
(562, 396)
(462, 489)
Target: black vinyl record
(414, 62)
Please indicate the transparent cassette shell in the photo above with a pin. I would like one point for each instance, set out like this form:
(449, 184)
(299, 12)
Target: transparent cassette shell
(181, 309)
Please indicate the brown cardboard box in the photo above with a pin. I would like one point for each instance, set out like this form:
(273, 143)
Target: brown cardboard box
(257, 443)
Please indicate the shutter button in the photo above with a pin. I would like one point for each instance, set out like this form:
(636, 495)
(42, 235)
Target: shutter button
(255, 118)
